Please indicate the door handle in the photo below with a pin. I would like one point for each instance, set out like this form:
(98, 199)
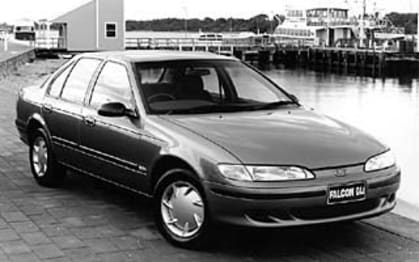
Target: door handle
(47, 108)
(89, 121)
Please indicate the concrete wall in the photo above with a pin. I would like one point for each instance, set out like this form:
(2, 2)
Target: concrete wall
(111, 11)
(11, 64)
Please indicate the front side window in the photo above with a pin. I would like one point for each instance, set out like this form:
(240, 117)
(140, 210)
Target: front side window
(112, 86)
(78, 81)
(57, 84)
(185, 87)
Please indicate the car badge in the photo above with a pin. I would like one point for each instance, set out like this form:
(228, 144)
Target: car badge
(341, 172)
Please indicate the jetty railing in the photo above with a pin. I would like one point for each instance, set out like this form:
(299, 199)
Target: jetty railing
(50, 43)
(224, 44)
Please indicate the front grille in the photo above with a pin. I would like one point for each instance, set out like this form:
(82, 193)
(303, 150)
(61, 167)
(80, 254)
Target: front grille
(325, 212)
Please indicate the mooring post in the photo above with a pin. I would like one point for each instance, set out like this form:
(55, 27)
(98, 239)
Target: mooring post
(6, 43)
(329, 60)
(345, 62)
(381, 63)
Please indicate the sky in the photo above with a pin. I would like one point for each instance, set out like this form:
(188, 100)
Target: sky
(11, 10)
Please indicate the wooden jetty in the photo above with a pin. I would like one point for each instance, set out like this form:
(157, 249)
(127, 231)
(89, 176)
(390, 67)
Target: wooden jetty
(264, 53)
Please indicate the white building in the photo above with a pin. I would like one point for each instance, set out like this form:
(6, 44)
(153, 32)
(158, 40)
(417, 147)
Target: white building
(98, 25)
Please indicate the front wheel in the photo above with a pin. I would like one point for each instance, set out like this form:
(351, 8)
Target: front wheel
(46, 171)
(181, 211)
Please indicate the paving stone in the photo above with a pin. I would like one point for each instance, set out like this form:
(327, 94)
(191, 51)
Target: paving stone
(8, 235)
(68, 242)
(54, 230)
(35, 239)
(81, 254)
(15, 248)
(113, 257)
(101, 245)
(14, 216)
(86, 233)
(28, 257)
(127, 243)
(146, 233)
(48, 251)
(60, 259)
(3, 224)
(24, 227)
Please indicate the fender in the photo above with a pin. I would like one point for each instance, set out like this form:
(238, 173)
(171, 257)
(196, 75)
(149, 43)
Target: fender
(163, 160)
(175, 171)
(37, 118)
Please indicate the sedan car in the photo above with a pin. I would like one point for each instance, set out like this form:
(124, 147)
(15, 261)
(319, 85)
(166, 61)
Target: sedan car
(208, 138)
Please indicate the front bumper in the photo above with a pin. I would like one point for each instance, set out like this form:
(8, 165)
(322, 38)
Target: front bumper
(296, 206)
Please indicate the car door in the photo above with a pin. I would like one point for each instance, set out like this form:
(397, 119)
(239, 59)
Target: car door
(62, 107)
(112, 143)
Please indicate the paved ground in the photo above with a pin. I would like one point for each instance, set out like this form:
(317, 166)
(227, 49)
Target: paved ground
(89, 221)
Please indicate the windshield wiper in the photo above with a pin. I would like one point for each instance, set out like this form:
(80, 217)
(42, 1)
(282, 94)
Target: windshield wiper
(225, 108)
(273, 105)
(216, 108)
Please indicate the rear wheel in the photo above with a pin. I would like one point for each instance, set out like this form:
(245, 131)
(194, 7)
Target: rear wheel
(181, 210)
(46, 171)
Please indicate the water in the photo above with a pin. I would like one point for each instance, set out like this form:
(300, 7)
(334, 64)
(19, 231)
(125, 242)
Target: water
(387, 108)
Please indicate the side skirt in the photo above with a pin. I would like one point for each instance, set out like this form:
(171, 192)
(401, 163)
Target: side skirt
(106, 180)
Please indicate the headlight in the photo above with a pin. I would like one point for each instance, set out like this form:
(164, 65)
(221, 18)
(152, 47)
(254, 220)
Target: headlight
(235, 172)
(265, 173)
(380, 162)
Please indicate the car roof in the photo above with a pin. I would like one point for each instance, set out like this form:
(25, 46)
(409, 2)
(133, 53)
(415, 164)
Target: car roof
(156, 56)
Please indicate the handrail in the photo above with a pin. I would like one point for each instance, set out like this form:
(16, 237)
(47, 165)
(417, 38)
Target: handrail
(50, 43)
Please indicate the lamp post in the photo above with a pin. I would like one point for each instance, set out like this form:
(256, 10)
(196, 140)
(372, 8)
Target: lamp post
(417, 35)
(185, 9)
(6, 42)
(362, 27)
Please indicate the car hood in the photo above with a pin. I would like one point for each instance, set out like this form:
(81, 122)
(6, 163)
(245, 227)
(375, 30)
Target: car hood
(284, 137)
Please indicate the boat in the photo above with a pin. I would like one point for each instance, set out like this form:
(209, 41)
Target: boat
(211, 37)
(318, 26)
(24, 29)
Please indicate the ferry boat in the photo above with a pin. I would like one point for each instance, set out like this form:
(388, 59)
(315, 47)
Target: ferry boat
(320, 26)
(24, 29)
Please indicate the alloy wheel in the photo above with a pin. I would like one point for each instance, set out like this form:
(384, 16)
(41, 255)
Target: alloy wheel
(40, 156)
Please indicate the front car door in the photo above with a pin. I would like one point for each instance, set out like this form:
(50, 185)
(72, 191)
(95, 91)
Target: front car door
(111, 144)
(62, 107)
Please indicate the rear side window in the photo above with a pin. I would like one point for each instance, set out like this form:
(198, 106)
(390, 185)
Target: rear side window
(112, 85)
(79, 79)
(57, 84)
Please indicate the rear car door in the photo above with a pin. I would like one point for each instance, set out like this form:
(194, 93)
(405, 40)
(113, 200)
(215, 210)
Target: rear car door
(62, 107)
(112, 143)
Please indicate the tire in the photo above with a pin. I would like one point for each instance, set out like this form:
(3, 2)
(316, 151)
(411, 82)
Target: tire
(45, 169)
(188, 226)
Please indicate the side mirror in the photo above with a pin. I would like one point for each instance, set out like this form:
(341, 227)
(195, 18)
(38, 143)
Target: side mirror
(116, 110)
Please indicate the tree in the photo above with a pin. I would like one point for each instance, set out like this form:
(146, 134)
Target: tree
(261, 22)
(406, 20)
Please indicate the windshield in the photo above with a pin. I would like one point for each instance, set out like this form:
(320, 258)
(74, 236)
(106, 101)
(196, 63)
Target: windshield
(191, 87)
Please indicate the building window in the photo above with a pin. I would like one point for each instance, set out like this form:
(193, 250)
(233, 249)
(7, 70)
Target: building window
(110, 30)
